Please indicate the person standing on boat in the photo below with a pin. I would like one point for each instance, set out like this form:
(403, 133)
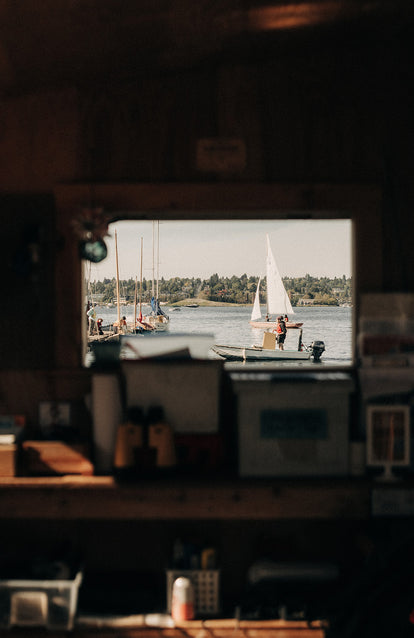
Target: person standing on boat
(91, 314)
(120, 327)
(281, 332)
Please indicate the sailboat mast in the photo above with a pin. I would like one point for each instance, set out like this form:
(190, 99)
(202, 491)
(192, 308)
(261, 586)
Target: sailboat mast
(158, 257)
(135, 302)
(88, 285)
(153, 258)
(267, 275)
(140, 284)
(117, 281)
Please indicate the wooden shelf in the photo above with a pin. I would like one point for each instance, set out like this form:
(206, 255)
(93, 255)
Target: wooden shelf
(193, 629)
(75, 497)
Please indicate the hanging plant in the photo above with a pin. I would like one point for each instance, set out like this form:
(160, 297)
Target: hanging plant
(91, 226)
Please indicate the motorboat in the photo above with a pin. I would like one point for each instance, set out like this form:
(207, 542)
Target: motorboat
(269, 351)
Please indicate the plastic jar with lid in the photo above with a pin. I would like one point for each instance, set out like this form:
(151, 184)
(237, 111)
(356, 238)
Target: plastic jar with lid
(182, 606)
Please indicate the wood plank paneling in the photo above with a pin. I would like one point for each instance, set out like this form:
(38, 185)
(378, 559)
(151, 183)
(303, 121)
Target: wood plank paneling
(99, 497)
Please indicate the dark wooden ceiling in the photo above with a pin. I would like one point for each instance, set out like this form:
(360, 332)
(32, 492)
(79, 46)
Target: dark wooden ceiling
(55, 43)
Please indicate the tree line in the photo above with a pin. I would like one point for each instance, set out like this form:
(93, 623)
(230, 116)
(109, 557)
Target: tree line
(241, 290)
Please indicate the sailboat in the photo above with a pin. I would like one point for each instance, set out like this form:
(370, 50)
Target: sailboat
(140, 324)
(157, 318)
(277, 299)
(278, 303)
(108, 333)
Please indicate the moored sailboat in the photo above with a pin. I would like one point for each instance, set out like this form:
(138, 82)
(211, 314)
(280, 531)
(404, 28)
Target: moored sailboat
(140, 324)
(100, 333)
(277, 299)
(158, 319)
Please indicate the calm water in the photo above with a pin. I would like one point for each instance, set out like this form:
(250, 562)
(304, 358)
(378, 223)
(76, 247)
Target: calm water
(230, 326)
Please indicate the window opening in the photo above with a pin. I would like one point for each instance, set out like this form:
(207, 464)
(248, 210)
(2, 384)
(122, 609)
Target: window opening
(201, 278)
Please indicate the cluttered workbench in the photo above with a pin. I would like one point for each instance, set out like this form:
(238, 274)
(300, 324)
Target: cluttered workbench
(125, 530)
(137, 628)
(99, 504)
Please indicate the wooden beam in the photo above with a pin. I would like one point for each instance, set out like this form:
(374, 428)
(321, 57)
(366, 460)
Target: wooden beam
(92, 498)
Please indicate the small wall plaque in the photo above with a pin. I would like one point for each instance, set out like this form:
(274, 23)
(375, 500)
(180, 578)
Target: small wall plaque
(294, 424)
(221, 155)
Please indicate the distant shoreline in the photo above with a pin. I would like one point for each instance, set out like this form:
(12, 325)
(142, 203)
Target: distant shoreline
(191, 301)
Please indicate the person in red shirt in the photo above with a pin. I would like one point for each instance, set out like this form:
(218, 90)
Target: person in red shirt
(281, 332)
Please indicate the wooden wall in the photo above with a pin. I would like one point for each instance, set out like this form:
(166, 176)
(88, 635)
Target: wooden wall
(313, 121)
(337, 113)
(331, 112)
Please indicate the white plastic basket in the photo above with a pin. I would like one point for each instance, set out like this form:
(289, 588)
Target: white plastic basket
(206, 583)
(48, 603)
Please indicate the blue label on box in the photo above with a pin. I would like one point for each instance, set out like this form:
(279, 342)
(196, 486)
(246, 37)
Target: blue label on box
(293, 424)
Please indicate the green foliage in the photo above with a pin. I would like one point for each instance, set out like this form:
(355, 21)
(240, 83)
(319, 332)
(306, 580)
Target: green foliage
(320, 291)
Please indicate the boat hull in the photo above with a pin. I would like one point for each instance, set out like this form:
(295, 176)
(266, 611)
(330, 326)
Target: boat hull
(238, 353)
(157, 322)
(105, 337)
(271, 325)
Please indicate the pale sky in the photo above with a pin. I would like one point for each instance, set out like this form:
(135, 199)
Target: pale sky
(203, 248)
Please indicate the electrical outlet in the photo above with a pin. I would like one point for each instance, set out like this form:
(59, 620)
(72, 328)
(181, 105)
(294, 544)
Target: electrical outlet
(54, 413)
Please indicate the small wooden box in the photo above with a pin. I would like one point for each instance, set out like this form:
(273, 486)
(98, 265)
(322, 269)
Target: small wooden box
(55, 458)
(8, 455)
(269, 341)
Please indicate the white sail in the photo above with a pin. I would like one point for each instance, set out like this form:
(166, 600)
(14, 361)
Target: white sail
(256, 312)
(278, 301)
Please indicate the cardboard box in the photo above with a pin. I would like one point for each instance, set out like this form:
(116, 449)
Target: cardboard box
(8, 457)
(190, 391)
(294, 425)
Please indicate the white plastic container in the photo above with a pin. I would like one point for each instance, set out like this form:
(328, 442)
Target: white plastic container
(182, 606)
(39, 603)
(206, 583)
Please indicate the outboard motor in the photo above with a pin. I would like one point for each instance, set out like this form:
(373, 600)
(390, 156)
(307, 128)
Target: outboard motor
(317, 348)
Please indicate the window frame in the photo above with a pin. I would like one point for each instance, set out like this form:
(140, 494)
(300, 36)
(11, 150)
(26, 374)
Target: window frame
(168, 202)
